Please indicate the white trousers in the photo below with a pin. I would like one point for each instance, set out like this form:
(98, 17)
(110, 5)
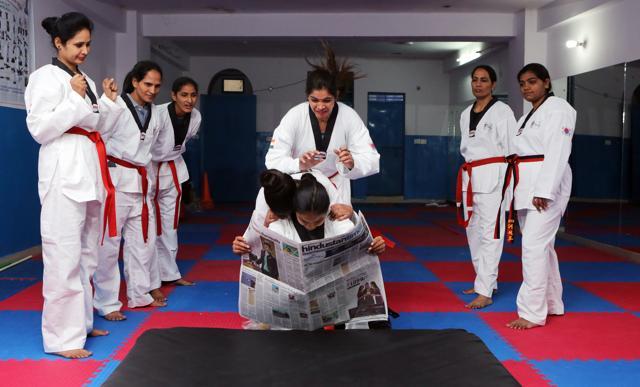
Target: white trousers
(167, 243)
(485, 250)
(70, 235)
(140, 266)
(541, 290)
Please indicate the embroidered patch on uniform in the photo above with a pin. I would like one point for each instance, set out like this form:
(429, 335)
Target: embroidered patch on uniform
(566, 131)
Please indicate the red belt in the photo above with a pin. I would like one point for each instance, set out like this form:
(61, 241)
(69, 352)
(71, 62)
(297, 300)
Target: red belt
(331, 177)
(110, 201)
(176, 183)
(142, 171)
(512, 169)
(468, 167)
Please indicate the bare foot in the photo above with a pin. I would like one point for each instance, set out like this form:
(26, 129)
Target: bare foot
(479, 302)
(183, 282)
(115, 316)
(157, 303)
(469, 291)
(98, 332)
(521, 324)
(158, 295)
(74, 353)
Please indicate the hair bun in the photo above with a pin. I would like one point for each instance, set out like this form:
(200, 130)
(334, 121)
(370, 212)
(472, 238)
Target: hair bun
(49, 24)
(308, 177)
(271, 180)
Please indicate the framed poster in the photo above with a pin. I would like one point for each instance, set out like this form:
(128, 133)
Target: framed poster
(15, 50)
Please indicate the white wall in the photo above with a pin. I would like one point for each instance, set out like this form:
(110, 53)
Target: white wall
(426, 108)
(101, 60)
(611, 32)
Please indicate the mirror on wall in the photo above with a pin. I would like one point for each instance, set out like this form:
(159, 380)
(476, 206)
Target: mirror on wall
(605, 203)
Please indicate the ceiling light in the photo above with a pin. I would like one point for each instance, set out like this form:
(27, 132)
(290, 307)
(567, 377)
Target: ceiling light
(468, 57)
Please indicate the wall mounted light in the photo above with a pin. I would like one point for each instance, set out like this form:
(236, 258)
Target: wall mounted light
(574, 43)
(468, 57)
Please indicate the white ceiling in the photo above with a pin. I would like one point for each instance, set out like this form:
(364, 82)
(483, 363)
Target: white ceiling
(324, 6)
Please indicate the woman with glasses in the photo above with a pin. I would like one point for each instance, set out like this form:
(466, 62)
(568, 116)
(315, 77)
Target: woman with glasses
(325, 134)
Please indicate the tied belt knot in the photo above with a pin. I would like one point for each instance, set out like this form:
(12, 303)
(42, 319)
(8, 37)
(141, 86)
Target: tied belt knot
(513, 162)
(110, 201)
(468, 205)
(142, 171)
(176, 183)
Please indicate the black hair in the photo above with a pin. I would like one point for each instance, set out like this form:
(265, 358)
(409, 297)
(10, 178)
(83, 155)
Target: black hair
(138, 73)
(311, 196)
(539, 71)
(279, 190)
(182, 81)
(492, 73)
(66, 26)
(331, 74)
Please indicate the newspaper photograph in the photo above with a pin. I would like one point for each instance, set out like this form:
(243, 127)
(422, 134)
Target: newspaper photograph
(307, 285)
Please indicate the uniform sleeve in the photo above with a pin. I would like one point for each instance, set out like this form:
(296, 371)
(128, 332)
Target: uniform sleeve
(109, 113)
(366, 159)
(49, 112)
(194, 125)
(328, 185)
(279, 155)
(559, 130)
(506, 128)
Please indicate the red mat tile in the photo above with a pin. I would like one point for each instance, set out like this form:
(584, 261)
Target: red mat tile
(192, 251)
(463, 271)
(229, 232)
(28, 299)
(165, 289)
(623, 294)
(525, 374)
(47, 372)
(229, 320)
(422, 297)
(228, 271)
(414, 236)
(574, 336)
(397, 254)
(584, 254)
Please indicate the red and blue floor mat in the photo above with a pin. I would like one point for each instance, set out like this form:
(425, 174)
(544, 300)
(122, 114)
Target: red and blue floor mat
(597, 342)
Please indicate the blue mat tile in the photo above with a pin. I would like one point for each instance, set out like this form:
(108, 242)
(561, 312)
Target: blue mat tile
(406, 272)
(198, 237)
(451, 254)
(375, 221)
(577, 299)
(9, 287)
(204, 297)
(119, 331)
(600, 271)
(220, 253)
(469, 321)
(185, 266)
(31, 268)
(193, 227)
(503, 301)
(590, 373)
(104, 373)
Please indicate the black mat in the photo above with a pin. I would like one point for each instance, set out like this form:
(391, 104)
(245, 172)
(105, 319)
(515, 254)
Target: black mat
(219, 357)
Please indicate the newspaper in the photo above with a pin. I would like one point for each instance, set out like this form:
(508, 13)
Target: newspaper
(307, 285)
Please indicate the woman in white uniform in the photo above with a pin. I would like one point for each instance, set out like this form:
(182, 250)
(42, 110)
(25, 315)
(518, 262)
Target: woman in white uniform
(66, 118)
(129, 150)
(324, 134)
(484, 128)
(179, 122)
(542, 143)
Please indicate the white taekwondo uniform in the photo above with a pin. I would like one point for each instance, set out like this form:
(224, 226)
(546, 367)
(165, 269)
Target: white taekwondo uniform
(548, 132)
(295, 136)
(71, 187)
(484, 137)
(131, 144)
(166, 155)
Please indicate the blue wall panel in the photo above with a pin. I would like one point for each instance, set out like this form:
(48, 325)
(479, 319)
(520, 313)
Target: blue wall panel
(19, 203)
(426, 167)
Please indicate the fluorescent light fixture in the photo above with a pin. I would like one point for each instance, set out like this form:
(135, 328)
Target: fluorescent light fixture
(468, 57)
(574, 44)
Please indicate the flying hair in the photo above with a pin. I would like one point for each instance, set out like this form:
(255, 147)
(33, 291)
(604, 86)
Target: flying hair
(330, 73)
